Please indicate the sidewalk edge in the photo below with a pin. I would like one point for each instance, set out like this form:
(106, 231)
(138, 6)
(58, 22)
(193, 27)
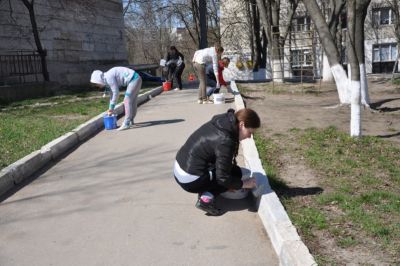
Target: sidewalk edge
(17, 172)
(288, 246)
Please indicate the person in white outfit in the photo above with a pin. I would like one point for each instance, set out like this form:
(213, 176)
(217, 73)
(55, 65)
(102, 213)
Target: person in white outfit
(202, 58)
(115, 78)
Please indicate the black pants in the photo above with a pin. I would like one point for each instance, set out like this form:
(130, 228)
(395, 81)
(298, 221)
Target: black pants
(205, 183)
(175, 73)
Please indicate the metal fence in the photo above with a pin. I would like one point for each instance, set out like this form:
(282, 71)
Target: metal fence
(20, 67)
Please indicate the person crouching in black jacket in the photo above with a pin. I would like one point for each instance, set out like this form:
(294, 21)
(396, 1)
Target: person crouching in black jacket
(206, 163)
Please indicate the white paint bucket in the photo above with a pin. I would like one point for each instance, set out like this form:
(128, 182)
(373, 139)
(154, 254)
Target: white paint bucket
(240, 193)
(218, 98)
(236, 194)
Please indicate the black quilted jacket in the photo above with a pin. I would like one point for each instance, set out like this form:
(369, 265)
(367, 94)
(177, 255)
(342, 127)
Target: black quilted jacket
(213, 145)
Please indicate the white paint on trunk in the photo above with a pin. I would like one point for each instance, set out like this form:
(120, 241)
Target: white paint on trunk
(364, 86)
(341, 83)
(349, 81)
(278, 71)
(326, 70)
(355, 124)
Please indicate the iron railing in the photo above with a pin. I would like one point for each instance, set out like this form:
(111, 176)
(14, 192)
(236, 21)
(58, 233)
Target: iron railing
(20, 67)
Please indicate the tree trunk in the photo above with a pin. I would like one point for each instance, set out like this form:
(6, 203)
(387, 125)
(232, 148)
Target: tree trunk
(264, 55)
(256, 33)
(267, 29)
(203, 24)
(353, 65)
(361, 13)
(40, 50)
(270, 22)
(356, 13)
(330, 49)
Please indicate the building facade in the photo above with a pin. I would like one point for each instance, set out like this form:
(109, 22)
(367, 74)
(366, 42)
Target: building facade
(303, 56)
(79, 36)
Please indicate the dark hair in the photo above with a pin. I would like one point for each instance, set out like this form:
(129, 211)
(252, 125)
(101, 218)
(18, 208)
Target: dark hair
(219, 48)
(173, 48)
(227, 59)
(249, 117)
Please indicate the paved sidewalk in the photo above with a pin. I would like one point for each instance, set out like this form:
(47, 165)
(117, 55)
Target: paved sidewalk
(113, 201)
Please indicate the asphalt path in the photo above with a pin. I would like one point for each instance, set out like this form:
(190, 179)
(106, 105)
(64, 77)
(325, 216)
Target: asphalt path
(114, 201)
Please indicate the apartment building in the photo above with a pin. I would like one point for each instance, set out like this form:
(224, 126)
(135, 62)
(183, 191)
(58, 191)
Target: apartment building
(303, 56)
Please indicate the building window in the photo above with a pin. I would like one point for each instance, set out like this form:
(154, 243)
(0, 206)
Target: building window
(384, 57)
(382, 16)
(384, 52)
(301, 24)
(301, 58)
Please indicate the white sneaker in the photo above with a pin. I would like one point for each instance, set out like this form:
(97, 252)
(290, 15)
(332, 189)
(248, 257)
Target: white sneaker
(176, 89)
(200, 101)
(125, 126)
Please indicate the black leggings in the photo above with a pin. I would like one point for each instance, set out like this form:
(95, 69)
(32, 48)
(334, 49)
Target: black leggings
(203, 183)
(176, 74)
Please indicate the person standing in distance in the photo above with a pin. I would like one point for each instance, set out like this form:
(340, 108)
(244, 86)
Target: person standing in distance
(176, 65)
(200, 59)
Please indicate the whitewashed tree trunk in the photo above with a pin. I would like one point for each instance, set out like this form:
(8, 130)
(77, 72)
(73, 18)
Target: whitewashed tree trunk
(341, 81)
(355, 123)
(330, 49)
(356, 13)
(364, 86)
(277, 71)
(326, 70)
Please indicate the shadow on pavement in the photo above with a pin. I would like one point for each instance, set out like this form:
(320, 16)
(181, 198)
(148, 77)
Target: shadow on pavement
(158, 122)
(229, 205)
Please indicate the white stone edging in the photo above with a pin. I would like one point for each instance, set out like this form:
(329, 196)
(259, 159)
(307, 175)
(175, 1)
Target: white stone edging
(22, 169)
(288, 246)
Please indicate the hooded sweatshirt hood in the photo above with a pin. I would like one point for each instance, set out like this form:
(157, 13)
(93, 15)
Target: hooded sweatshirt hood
(97, 77)
(227, 123)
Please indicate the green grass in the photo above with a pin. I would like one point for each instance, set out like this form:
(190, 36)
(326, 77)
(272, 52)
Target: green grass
(26, 130)
(269, 154)
(361, 181)
(25, 126)
(396, 81)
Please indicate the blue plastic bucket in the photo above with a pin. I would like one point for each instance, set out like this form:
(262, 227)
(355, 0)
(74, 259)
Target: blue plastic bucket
(110, 122)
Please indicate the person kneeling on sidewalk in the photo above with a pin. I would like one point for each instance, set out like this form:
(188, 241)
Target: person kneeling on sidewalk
(212, 79)
(206, 163)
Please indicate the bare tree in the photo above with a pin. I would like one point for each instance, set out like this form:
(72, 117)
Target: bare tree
(328, 38)
(148, 31)
(330, 48)
(356, 13)
(41, 51)
(202, 5)
(214, 20)
(270, 19)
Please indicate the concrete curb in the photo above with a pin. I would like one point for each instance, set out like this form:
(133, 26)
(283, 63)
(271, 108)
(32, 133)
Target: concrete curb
(284, 237)
(22, 169)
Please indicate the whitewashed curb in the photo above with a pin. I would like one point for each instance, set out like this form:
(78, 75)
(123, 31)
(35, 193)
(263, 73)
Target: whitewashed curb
(288, 246)
(22, 169)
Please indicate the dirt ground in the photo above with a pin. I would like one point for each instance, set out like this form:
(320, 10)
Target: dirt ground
(300, 107)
